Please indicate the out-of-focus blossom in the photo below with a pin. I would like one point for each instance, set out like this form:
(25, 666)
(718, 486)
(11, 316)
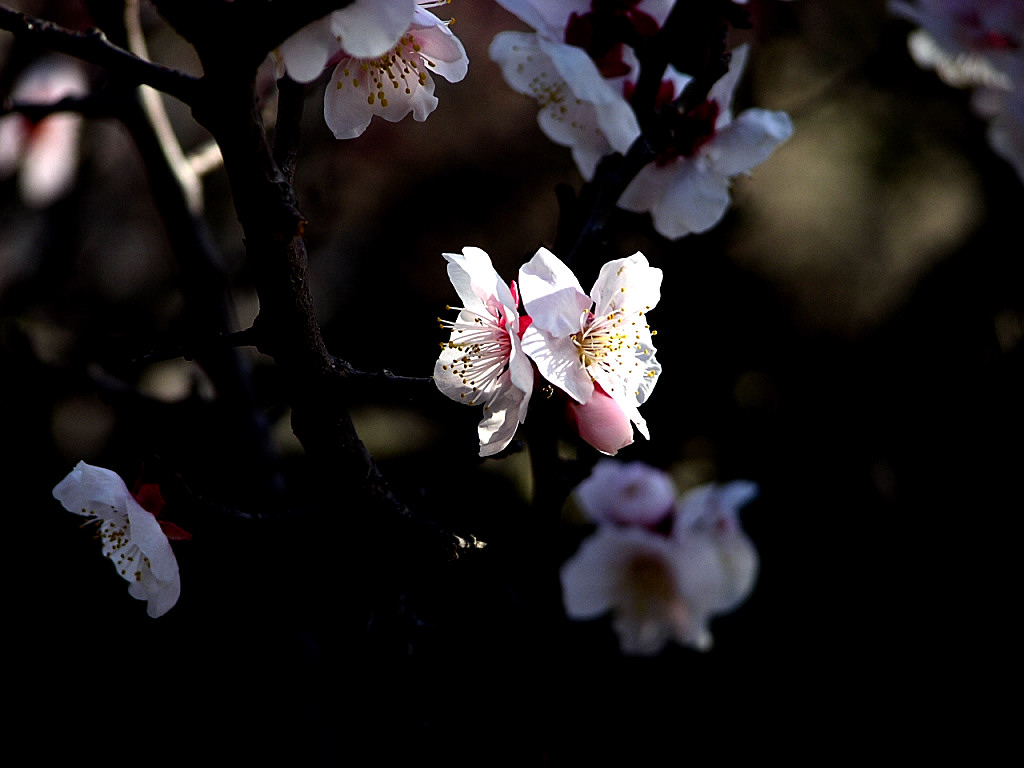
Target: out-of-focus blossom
(383, 53)
(977, 44)
(663, 583)
(483, 363)
(720, 559)
(581, 343)
(687, 188)
(133, 539)
(626, 493)
(44, 154)
(582, 77)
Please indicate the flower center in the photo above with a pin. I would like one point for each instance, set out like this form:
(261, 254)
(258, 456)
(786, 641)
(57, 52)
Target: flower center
(399, 68)
(609, 345)
(485, 347)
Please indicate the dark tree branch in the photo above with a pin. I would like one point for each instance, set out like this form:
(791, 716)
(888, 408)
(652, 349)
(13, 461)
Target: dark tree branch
(94, 47)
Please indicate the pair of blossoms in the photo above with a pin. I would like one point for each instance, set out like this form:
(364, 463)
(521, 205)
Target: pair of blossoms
(976, 44)
(595, 348)
(662, 566)
(384, 51)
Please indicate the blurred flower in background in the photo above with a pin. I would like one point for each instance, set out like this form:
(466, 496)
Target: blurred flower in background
(977, 44)
(661, 573)
(45, 153)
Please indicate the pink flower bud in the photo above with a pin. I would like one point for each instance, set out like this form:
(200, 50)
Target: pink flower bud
(602, 422)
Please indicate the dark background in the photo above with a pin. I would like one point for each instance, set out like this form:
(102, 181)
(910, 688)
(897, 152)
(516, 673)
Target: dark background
(849, 338)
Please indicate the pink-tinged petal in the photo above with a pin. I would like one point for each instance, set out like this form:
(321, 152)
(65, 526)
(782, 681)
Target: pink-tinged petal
(552, 295)
(346, 110)
(371, 28)
(626, 493)
(50, 162)
(305, 54)
(473, 276)
(442, 52)
(748, 141)
(602, 423)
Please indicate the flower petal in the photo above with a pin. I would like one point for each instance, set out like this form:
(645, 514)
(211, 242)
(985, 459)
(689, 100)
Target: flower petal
(370, 28)
(552, 296)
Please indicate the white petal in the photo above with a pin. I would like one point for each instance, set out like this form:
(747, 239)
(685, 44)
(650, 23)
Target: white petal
(305, 54)
(91, 490)
(748, 141)
(557, 360)
(694, 199)
(441, 51)
(552, 295)
(371, 28)
(616, 119)
(628, 284)
(346, 110)
(502, 417)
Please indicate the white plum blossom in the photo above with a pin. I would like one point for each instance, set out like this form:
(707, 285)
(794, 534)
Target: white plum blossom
(977, 44)
(579, 108)
(483, 363)
(383, 56)
(44, 154)
(597, 343)
(666, 583)
(626, 493)
(364, 28)
(132, 537)
(686, 189)
(638, 577)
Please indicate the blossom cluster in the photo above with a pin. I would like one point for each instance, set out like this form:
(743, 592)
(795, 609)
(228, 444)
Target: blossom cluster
(582, 78)
(661, 565)
(976, 44)
(133, 537)
(595, 348)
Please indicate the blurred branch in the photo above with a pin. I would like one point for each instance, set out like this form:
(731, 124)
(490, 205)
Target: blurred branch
(94, 47)
(152, 103)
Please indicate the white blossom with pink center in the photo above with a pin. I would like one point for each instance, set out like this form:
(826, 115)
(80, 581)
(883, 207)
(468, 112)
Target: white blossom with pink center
(599, 342)
(482, 363)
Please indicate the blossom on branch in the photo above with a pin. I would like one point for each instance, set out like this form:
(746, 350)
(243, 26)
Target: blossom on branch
(134, 540)
(583, 74)
(661, 575)
(597, 345)
(43, 153)
(483, 363)
(383, 53)
(977, 44)
(686, 189)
